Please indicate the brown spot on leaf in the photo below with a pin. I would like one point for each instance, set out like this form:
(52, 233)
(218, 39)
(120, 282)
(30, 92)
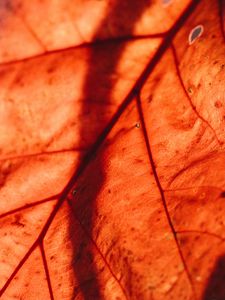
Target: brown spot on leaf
(218, 104)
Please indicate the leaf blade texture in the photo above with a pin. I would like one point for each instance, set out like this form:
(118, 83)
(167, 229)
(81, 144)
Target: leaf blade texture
(112, 150)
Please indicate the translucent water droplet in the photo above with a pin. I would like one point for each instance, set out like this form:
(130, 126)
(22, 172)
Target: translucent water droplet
(195, 34)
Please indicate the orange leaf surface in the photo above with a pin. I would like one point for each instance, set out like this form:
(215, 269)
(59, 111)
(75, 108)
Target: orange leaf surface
(112, 150)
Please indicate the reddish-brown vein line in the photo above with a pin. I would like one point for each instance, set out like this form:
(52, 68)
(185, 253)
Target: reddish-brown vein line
(87, 158)
(99, 251)
(186, 93)
(87, 45)
(33, 33)
(193, 187)
(192, 164)
(24, 156)
(201, 232)
(155, 174)
(18, 267)
(46, 270)
(23, 260)
(221, 16)
(26, 206)
(134, 91)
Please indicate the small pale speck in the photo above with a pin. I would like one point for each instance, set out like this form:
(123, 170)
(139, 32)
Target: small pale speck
(138, 125)
(195, 33)
(202, 196)
(198, 278)
(166, 2)
(169, 285)
(168, 236)
(180, 268)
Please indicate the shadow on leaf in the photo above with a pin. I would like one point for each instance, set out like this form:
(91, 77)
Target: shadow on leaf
(215, 289)
(97, 92)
